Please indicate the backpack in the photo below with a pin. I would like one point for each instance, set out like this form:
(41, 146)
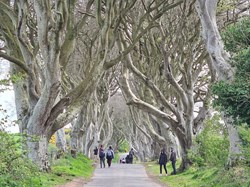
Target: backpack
(109, 153)
(101, 154)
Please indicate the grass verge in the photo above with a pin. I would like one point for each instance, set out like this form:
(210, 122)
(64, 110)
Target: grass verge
(64, 170)
(202, 177)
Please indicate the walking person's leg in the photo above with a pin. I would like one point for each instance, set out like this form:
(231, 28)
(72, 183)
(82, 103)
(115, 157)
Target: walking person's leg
(108, 161)
(95, 159)
(103, 162)
(174, 169)
(160, 169)
(165, 168)
(100, 162)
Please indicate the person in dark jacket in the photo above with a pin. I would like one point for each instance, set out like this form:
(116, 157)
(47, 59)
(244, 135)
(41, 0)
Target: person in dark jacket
(109, 155)
(173, 160)
(102, 156)
(95, 151)
(95, 154)
(163, 161)
(131, 155)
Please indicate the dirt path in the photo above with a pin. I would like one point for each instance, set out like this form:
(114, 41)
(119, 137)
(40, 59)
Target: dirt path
(78, 182)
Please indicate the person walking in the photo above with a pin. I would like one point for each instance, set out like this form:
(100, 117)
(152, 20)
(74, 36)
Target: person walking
(109, 155)
(102, 156)
(95, 155)
(131, 156)
(173, 160)
(163, 161)
(95, 151)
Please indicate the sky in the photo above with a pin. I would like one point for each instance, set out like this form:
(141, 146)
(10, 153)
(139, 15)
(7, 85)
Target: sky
(7, 99)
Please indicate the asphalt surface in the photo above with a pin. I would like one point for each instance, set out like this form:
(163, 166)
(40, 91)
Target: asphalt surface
(121, 175)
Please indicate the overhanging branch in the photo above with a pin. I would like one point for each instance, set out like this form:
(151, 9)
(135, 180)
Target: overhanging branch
(15, 61)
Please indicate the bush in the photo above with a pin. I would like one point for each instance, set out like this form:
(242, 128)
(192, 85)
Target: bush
(195, 156)
(123, 147)
(233, 97)
(210, 147)
(15, 170)
(244, 132)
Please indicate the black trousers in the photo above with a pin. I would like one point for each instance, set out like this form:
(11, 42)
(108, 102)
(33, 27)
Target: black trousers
(109, 161)
(173, 166)
(164, 166)
(131, 160)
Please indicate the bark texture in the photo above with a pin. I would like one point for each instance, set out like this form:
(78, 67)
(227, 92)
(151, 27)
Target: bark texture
(220, 61)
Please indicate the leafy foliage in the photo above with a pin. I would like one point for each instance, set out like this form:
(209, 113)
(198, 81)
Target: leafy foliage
(210, 147)
(244, 133)
(237, 37)
(15, 170)
(6, 82)
(123, 147)
(234, 97)
(17, 77)
(226, 5)
(53, 139)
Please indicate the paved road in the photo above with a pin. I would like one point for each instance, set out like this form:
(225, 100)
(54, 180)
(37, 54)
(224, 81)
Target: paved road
(121, 175)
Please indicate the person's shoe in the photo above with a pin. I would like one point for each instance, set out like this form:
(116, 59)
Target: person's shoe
(166, 174)
(160, 175)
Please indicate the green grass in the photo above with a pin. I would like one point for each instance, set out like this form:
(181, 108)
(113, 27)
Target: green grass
(21, 173)
(203, 177)
(116, 158)
(65, 170)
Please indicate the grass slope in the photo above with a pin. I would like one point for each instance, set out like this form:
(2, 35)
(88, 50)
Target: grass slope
(202, 177)
(65, 170)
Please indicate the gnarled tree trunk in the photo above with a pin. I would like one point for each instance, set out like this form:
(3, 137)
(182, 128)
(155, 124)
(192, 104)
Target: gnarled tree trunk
(206, 10)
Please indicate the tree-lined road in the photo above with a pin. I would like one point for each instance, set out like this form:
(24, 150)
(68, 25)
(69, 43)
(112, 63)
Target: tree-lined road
(121, 175)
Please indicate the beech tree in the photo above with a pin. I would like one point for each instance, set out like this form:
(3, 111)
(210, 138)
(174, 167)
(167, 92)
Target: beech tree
(233, 97)
(63, 51)
(185, 64)
(39, 38)
(173, 70)
(220, 60)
